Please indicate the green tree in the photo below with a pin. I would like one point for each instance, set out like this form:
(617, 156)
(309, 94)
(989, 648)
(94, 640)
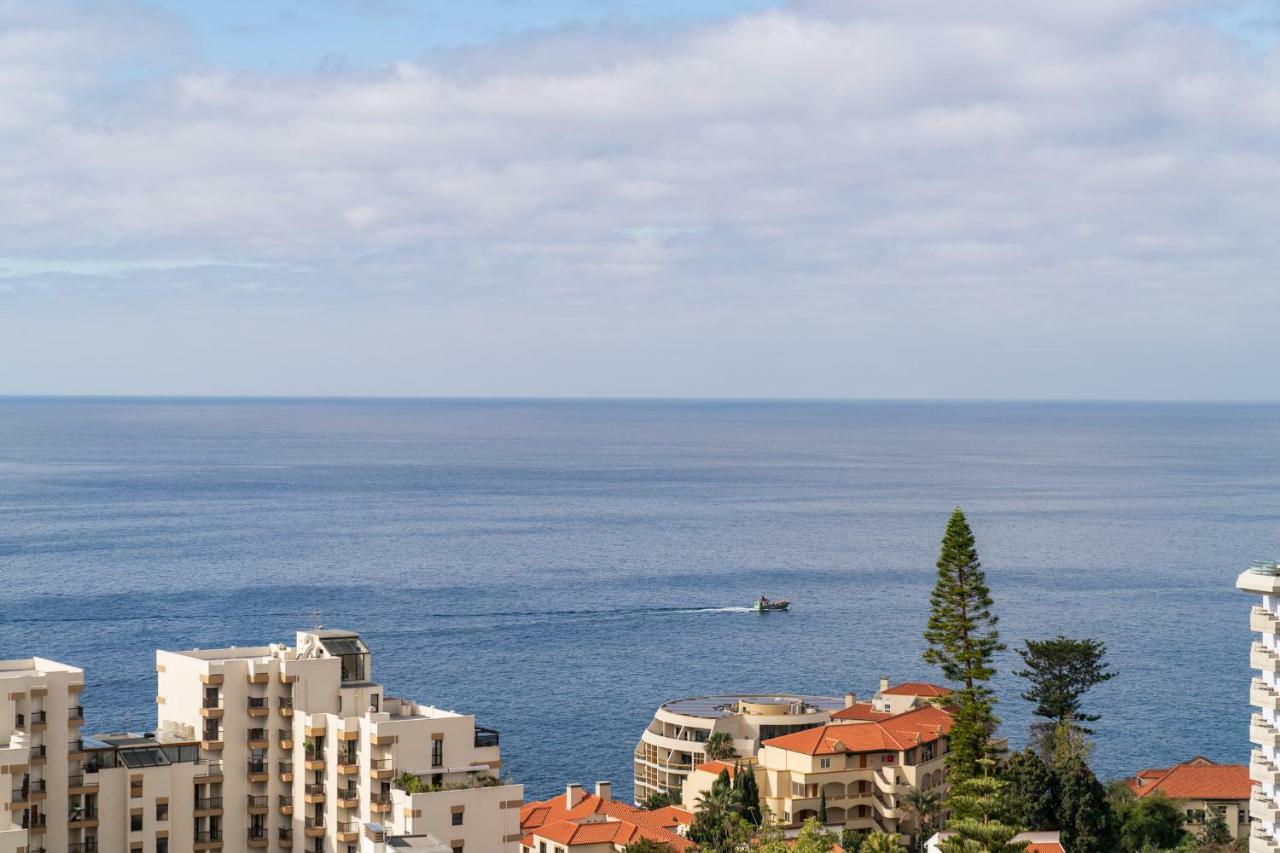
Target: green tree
(1031, 791)
(409, 783)
(1216, 831)
(644, 845)
(1085, 817)
(1060, 672)
(1153, 822)
(814, 838)
(750, 797)
(717, 822)
(719, 747)
(975, 817)
(851, 839)
(924, 807)
(880, 842)
(822, 808)
(962, 640)
(662, 799)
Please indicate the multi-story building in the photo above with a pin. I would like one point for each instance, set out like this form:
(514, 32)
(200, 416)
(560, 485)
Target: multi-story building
(674, 742)
(40, 721)
(265, 748)
(1264, 728)
(315, 756)
(578, 822)
(861, 768)
(1199, 787)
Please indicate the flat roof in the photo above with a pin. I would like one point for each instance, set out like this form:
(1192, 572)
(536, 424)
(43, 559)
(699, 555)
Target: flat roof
(726, 705)
(233, 653)
(23, 666)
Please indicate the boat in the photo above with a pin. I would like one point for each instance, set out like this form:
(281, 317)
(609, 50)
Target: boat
(764, 605)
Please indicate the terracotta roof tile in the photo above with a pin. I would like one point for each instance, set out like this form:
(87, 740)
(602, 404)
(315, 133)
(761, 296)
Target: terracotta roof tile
(1197, 779)
(916, 688)
(901, 732)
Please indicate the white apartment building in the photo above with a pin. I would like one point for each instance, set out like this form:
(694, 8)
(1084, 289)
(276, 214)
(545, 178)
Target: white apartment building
(280, 748)
(1264, 728)
(674, 742)
(40, 720)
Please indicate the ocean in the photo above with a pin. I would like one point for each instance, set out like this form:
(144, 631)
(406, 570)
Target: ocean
(560, 568)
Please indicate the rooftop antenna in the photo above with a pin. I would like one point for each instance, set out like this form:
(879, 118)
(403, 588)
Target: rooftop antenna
(315, 616)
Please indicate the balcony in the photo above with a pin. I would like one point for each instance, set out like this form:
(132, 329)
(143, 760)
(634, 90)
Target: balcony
(348, 765)
(486, 737)
(257, 771)
(257, 739)
(209, 769)
(1261, 657)
(314, 827)
(1263, 696)
(211, 739)
(89, 846)
(286, 706)
(211, 707)
(76, 784)
(1263, 733)
(258, 706)
(205, 806)
(348, 831)
(348, 798)
(76, 713)
(313, 793)
(380, 803)
(1262, 807)
(81, 818)
(35, 823)
(285, 803)
(285, 836)
(257, 803)
(381, 768)
(1262, 770)
(207, 839)
(257, 837)
(286, 771)
(75, 748)
(382, 740)
(37, 721)
(38, 754)
(1263, 621)
(286, 738)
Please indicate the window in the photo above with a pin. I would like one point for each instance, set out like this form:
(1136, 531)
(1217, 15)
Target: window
(457, 847)
(135, 787)
(437, 752)
(135, 823)
(162, 811)
(162, 845)
(457, 818)
(824, 763)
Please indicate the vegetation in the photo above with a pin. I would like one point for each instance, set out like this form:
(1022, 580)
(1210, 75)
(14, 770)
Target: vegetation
(409, 783)
(925, 807)
(963, 640)
(977, 808)
(851, 839)
(813, 838)
(1151, 823)
(718, 824)
(719, 747)
(747, 791)
(1060, 672)
(879, 842)
(644, 845)
(1085, 817)
(662, 799)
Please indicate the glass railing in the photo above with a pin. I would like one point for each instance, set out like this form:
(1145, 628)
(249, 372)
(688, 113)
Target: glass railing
(1265, 567)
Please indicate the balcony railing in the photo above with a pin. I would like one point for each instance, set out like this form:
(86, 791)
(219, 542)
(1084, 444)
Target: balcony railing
(285, 834)
(380, 764)
(285, 799)
(314, 823)
(30, 821)
(286, 703)
(39, 717)
(211, 734)
(76, 745)
(286, 766)
(348, 826)
(39, 751)
(486, 737)
(257, 766)
(211, 702)
(257, 801)
(380, 799)
(75, 813)
(256, 832)
(257, 702)
(209, 802)
(257, 734)
(208, 768)
(207, 835)
(90, 846)
(75, 712)
(315, 789)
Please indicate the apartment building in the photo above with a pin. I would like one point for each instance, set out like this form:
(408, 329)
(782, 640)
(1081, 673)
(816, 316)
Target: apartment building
(862, 769)
(1201, 786)
(273, 747)
(674, 741)
(40, 721)
(1264, 693)
(316, 757)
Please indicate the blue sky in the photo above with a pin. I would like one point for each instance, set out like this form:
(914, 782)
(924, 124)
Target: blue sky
(887, 198)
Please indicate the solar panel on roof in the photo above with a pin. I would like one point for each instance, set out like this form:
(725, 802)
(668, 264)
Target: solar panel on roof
(344, 646)
(154, 757)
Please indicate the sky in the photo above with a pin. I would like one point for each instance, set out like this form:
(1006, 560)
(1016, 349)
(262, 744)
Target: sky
(598, 198)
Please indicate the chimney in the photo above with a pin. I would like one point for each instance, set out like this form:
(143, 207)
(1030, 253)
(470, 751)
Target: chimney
(604, 790)
(850, 699)
(884, 683)
(573, 795)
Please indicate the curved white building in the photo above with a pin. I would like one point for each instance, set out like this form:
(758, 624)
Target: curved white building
(673, 743)
(1264, 693)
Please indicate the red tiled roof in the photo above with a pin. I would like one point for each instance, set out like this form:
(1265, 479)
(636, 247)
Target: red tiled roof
(716, 767)
(863, 711)
(596, 821)
(1197, 779)
(903, 731)
(1045, 847)
(916, 688)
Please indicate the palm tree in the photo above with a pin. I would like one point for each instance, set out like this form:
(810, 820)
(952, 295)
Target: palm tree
(881, 842)
(716, 815)
(924, 805)
(719, 747)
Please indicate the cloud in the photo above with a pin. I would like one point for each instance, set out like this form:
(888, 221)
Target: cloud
(888, 170)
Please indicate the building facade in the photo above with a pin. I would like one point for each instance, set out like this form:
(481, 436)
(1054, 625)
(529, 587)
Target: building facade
(282, 748)
(578, 822)
(674, 742)
(40, 721)
(1201, 787)
(1263, 579)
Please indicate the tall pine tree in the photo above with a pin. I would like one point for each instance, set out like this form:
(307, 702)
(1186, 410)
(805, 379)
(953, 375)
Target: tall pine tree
(963, 640)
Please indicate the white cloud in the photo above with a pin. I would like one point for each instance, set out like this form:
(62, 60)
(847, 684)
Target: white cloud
(846, 177)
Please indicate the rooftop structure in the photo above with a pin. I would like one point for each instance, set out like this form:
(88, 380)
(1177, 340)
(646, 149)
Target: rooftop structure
(1037, 842)
(1200, 786)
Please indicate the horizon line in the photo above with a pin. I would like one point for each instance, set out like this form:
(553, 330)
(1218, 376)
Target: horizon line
(531, 398)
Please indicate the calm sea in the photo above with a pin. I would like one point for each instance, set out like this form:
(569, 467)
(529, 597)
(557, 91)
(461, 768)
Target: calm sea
(561, 568)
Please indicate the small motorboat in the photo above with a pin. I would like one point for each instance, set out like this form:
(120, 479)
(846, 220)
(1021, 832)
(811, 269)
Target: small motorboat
(764, 605)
